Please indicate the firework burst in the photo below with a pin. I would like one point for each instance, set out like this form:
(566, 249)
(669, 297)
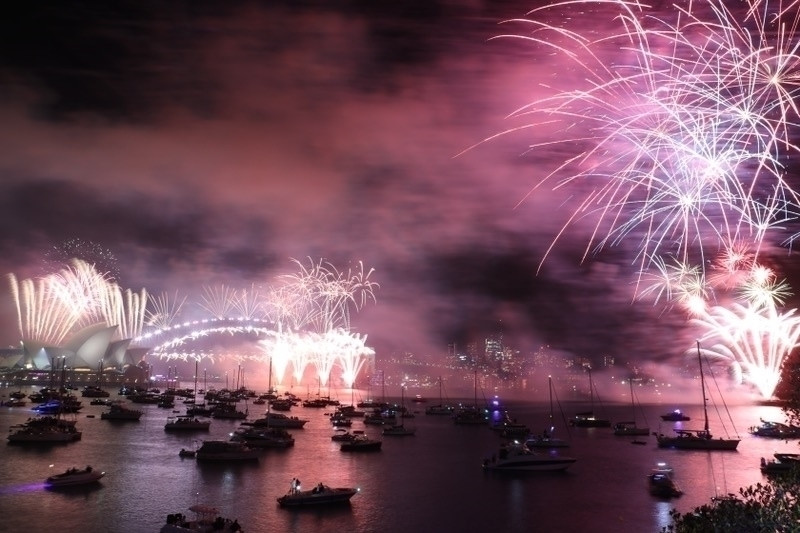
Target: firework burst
(683, 134)
(753, 339)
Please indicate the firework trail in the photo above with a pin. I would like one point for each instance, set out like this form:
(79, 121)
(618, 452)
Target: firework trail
(40, 318)
(81, 289)
(279, 349)
(219, 301)
(249, 303)
(54, 306)
(330, 294)
(352, 352)
(124, 309)
(163, 310)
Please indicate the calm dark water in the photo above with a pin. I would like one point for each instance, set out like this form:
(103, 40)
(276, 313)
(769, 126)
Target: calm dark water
(432, 481)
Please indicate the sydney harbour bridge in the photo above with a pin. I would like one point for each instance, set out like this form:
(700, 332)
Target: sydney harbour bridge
(298, 326)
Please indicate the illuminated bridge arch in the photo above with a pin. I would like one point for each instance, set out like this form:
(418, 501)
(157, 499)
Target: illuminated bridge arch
(163, 341)
(324, 352)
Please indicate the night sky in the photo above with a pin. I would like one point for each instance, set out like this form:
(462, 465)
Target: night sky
(206, 143)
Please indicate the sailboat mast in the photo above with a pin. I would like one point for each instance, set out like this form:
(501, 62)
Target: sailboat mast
(633, 404)
(703, 388)
(269, 383)
(476, 387)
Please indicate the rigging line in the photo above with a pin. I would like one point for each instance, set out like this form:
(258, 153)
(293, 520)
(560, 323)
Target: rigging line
(560, 410)
(722, 398)
(641, 408)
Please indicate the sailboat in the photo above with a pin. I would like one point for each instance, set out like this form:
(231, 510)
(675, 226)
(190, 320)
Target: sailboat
(546, 439)
(399, 429)
(471, 415)
(198, 409)
(441, 408)
(629, 428)
(587, 419)
(697, 439)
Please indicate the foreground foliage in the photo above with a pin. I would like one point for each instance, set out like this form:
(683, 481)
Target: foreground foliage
(769, 507)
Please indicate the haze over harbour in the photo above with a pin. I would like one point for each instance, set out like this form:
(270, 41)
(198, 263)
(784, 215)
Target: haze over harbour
(367, 198)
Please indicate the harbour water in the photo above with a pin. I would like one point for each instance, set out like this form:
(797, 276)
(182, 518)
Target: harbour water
(432, 481)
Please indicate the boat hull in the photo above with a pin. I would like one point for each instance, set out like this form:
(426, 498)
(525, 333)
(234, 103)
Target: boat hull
(72, 479)
(695, 443)
(308, 498)
(373, 446)
(540, 464)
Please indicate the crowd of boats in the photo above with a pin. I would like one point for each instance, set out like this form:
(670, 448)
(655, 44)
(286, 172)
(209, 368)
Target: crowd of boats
(520, 449)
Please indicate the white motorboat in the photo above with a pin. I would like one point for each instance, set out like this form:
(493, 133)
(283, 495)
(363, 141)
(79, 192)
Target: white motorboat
(117, 411)
(46, 429)
(186, 423)
(517, 456)
(361, 443)
(73, 476)
(782, 463)
(319, 495)
(221, 450)
(206, 519)
(661, 483)
(279, 420)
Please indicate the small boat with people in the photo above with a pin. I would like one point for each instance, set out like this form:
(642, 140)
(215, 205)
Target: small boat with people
(13, 402)
(207, 519)
(263, 437)
(44, 430)
(321, 494)
(675, 416)
(361, 443)
(74, 476)
(661, 483)
(516, 456)
(186, 423)
(279, 420)
(470, 415)
(187, 454)
(781, 464)
(94, 391)
(776, 430)
(100, 401)
(222, 450)
(117, 411)
(343, 435)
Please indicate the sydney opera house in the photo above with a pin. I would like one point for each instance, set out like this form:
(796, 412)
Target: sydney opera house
(87, 351)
